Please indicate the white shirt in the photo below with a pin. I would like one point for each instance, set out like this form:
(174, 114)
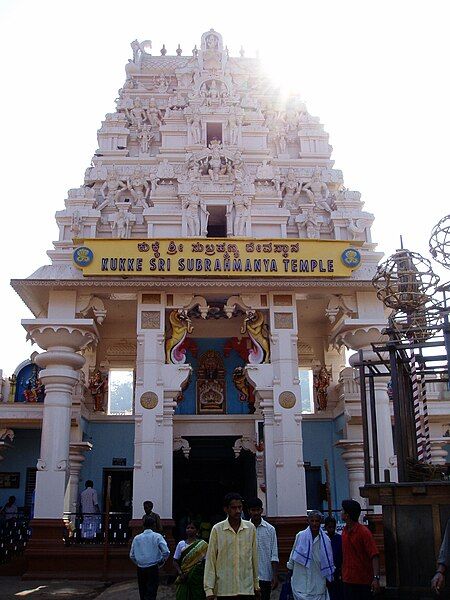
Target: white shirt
(179, 549)
(267, 550)
(88, 501)
(308, 583)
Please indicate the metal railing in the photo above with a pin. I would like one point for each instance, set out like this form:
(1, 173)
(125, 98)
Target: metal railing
(99, 528)
(14, 535)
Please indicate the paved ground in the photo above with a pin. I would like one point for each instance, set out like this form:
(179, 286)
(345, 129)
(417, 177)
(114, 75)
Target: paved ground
(13, 588)
(128, 591)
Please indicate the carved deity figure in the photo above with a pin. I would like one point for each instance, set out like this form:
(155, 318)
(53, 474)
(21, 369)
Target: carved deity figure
(239, 169)
(196, 213)
(111, 189)
(233, 129)
(122, 224)
(136, 115)
(139, 188)
(145, 137)
(356, 228)
(211, 54)
(290, 188)
(280, 140)
(195, 128)
(321, 383)
(76, 224)
(215, 167)
(241, 205)
(311, 223)
(162, 83)
(136, 47)
(165, 170)
(265, 171)
(154, 117)
(98, 385)
(317, 191)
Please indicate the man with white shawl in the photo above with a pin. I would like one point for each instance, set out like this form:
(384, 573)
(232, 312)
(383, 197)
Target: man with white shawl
(311, 561)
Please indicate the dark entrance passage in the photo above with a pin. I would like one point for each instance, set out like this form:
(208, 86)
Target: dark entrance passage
(201, 482)
(121, 492)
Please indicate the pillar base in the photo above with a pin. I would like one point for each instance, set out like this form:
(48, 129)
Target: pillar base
(47, 533)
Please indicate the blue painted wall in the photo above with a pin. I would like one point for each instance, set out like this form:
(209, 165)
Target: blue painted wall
(23, 454)
(233, 405)
(110, 440)
(318, 443)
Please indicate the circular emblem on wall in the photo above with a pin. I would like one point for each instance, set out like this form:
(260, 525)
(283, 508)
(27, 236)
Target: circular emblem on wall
(149, 400)
(351, 258)
(287, 399)
(83, 256)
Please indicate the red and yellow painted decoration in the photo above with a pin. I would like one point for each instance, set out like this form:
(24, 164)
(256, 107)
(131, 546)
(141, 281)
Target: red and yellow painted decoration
(217, 257)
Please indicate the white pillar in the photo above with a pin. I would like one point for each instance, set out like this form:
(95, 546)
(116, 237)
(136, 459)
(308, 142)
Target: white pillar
(278, 390)
(157, 384)
(288, 438)
(60, 363)
(383, 417)
(353, 456)
(438, 452)
(76, 459)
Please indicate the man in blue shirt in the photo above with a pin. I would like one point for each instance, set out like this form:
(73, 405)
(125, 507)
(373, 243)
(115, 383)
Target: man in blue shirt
(148, 552)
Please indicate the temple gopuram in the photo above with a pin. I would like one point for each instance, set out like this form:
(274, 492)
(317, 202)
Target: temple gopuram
(214, 258)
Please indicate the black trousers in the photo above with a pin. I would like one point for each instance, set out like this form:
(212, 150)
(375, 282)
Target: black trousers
(266, 588)
(148, 581)
(354, 591)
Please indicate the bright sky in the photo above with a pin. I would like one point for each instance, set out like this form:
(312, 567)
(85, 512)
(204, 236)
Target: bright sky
(376, 73)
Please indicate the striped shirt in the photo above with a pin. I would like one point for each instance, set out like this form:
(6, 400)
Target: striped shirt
(267, 550)
(231, 567)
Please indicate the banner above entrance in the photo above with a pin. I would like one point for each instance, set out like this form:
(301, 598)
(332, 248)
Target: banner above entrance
(217, 257)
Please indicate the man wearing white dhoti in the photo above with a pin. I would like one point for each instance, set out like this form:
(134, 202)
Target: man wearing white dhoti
(311, 561)
(90, 511)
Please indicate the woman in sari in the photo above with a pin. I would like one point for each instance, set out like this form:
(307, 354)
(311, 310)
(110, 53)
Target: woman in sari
(189, 561)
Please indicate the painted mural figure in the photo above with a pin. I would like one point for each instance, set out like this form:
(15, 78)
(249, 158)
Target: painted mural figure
(98, 386)
(181, 326)
(321, 382)
(257, 330)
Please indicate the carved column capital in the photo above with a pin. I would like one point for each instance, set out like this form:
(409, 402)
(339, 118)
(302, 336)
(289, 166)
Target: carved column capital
(180, 443)
(63, 335)
(438, 452)
(244, 443)
(353, 454)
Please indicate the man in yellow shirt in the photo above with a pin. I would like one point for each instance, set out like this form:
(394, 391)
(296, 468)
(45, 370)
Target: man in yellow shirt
(231, 569)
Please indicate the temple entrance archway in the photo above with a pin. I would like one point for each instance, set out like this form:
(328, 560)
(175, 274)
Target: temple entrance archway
(211, 471)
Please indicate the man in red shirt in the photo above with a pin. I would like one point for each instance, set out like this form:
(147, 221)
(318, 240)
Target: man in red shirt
(361, 564)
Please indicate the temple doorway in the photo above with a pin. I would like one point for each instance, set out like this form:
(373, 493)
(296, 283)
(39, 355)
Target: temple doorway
(121, 491)
(201, 482)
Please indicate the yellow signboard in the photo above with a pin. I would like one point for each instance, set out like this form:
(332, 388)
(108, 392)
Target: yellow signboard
(217, 257)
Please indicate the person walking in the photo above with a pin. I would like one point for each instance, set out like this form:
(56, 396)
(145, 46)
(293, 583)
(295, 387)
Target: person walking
(10, 511)
(148, 510)
(335, 587)
(231, 568)
(361, 562)
(189, 562)
(443, 562)
(90, 511)
(148, 551)
(267, 549)
(311, 561)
